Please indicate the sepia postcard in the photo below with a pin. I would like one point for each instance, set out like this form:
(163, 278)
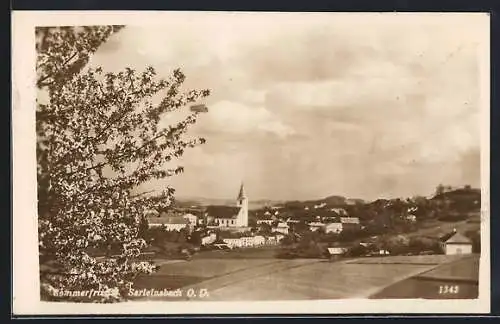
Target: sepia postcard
(250, 163)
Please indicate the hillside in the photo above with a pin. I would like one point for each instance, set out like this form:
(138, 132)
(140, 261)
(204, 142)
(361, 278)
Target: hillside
(199, 202)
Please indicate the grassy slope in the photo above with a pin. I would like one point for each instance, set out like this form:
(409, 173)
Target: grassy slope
(435, 228)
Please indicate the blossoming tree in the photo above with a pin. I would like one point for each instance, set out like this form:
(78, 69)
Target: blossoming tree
(100, 135)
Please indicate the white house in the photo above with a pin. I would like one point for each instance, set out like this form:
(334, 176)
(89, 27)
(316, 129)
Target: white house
(411, 218)
(268, 221)
(349, 220)
(245, 241)
(273, 240)
(336, 251)
(171, 223)
(456, 243)
(209, 239)
(336, 227)
(233, 242)
(350, 223)
(282, 228)
(259, 240)
(339, 211)
(314, 226)
(192, 219)
(320, 205)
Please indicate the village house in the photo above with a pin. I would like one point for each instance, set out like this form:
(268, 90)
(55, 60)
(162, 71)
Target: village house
(245, 241)
(314, 226)
(273, 239)
(279, 237)
(268, 221)
(339, 211)
(322, 205)
(336, 252)
(259, 240)
(455, 243)
(350, 223)
(208, 239)
(170, 223)
(335, 227)
(233, 242)
(282, 228)
(349, 220)
(192, 219)
(411, 218)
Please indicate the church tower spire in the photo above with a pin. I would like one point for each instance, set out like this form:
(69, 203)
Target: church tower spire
(242, 194)
(242, 202)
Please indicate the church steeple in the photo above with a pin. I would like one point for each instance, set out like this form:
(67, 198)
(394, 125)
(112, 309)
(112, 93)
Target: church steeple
(242, 202)
(242, 195)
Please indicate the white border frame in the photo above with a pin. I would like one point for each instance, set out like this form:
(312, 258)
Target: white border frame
(25, 247)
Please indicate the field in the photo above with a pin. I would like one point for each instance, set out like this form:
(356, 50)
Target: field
(461, 278)
(256, 278)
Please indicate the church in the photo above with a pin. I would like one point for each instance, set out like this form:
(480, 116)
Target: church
(230, 217)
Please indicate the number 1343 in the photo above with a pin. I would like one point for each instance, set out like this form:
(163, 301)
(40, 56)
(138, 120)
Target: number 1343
(448, 289)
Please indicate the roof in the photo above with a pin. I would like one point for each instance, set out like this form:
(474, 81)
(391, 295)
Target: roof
(151, 212)
(334, 223)
(349, 220)
(223, 211)
(242, 194)
(336, 250)
(168, 220)
(455, 237)
(316, 224)
(165, 214)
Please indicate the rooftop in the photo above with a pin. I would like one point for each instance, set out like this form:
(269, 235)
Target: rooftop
(455, 237)
(223, 211)
(168, 220)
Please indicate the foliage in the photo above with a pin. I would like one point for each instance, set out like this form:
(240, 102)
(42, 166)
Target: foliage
(300, 227)
(396, 244)
(475, 237)
(222, 234)
(265, 229)
(419, 244)
(451, 217)
(357, 250)
(302, 250)
(289, 240)
(100, 135)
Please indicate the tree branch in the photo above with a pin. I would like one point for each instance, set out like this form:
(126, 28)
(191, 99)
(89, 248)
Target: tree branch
(39, 83)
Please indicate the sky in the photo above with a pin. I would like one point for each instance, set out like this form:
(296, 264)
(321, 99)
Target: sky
(307, 106)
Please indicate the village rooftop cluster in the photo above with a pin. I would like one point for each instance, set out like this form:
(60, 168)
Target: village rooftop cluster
(337, 225)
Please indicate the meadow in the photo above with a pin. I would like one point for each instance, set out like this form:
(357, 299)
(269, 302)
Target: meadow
(273, 279)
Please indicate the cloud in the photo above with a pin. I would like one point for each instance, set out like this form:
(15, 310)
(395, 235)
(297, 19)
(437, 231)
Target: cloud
(310, 105)
(237, 118)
